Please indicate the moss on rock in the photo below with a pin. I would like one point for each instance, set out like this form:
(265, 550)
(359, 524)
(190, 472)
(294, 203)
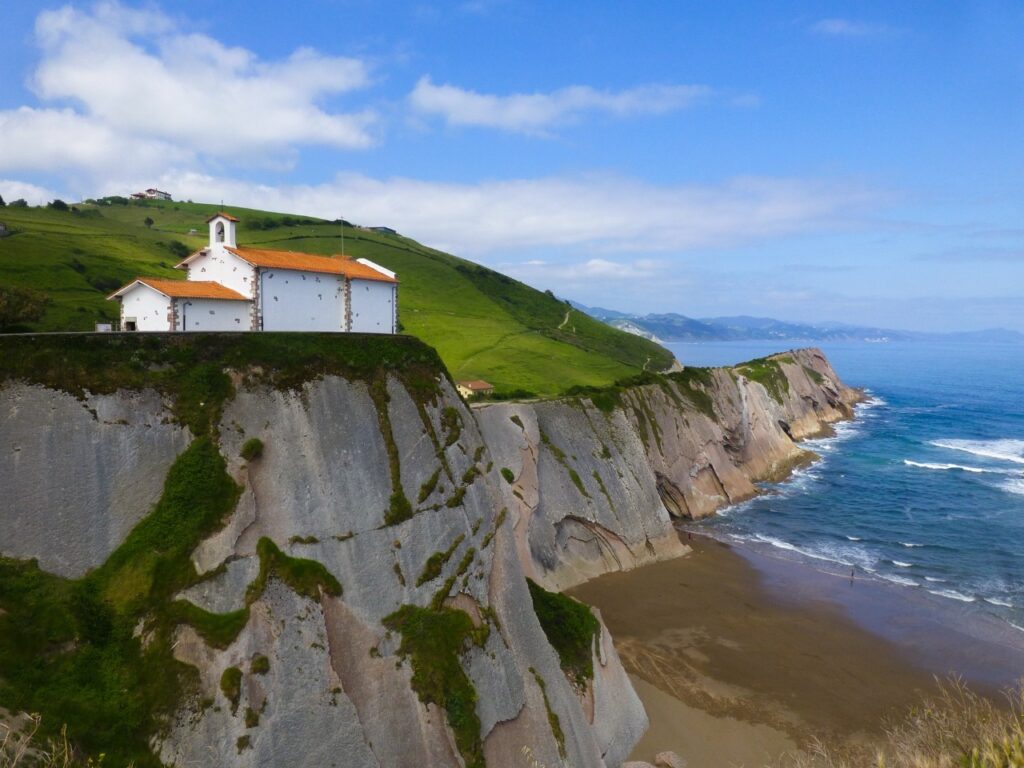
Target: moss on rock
(571, 629)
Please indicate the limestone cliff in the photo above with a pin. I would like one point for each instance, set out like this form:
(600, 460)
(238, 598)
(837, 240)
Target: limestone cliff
(597, 481)
(361, 599)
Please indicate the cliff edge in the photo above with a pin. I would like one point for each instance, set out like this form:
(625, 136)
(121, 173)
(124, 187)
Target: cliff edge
(597, 478)
(293, 549)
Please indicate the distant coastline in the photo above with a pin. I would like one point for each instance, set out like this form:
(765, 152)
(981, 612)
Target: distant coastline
(674, 327)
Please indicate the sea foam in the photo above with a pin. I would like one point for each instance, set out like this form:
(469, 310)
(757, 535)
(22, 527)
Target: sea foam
(952, 594)
(960, 467)
(999, 601)
(1015, 486)
(1001, 450)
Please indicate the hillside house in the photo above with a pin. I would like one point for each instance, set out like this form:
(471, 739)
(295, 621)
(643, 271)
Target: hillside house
(473, 388)
(237, 288)
(151, 194)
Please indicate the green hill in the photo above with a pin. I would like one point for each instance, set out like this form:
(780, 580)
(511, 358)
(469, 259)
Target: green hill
(483, 324)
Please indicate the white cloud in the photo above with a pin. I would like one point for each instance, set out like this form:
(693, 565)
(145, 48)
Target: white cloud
(603, 214)
(586, 271)
(129, 85)
(848, 28)
(11, 190)
(537, 112)
(62, 139)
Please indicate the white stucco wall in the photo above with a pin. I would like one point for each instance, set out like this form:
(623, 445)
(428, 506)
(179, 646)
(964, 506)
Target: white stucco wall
(213, 315)
(302, 301)
(373, 307)
(221, 266)
(149, 309)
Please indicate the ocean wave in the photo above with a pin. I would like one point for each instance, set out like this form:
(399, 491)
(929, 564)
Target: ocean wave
(999, 601)
(901, 580)
(1015, 626)
(1001, 450)
(934, 579)
(1015, 486)
(901, 564)
(952, 594)
(829, 553)
(873, 401)
(854, 538)
(960, 467)
(910, 544)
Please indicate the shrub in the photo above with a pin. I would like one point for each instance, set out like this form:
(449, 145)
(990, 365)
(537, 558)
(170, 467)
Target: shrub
(433, 640)
(252, 449)
(570, 628)
(178, 249)
(58, 205)
(260, 664)
(507, 474)
(231, 686)
(21, 305)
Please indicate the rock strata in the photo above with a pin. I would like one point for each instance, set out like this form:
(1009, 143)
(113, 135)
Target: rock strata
(411, 502)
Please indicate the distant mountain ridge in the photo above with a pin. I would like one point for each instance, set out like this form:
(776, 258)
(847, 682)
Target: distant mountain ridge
(675, 327)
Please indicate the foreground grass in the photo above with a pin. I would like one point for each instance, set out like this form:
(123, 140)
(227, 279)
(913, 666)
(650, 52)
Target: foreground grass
(483, 324)
(957, 728)
(20, 748)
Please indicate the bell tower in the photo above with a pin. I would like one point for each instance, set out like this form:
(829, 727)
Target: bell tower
(222, 230)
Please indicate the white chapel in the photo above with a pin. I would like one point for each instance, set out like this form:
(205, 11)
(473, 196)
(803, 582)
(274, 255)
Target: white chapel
(234, 288)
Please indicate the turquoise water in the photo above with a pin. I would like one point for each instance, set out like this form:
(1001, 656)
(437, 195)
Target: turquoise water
(924, 491)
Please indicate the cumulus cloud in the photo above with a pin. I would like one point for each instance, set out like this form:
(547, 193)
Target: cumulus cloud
(19, 190)
(537, 112)
(603, 214)
(62, 139)
(848, 28)
(131, 85)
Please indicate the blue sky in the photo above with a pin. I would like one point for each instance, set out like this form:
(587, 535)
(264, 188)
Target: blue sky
(860, 162)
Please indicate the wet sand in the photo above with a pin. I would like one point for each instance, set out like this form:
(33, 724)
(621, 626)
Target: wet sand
(722, 655)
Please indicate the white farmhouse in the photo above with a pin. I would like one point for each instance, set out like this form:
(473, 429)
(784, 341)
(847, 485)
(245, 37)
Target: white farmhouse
(235, 288)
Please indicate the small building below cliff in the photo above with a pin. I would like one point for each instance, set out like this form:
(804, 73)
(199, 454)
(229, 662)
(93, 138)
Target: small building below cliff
(236, 288)
(475, 387)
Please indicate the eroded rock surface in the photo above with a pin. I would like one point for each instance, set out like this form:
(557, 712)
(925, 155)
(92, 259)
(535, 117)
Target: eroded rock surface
(76, 475)
(408, 501)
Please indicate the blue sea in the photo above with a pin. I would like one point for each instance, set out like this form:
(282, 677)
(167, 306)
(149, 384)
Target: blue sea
(924, 491)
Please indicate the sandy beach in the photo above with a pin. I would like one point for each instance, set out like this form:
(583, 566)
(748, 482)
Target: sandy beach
(733, 674)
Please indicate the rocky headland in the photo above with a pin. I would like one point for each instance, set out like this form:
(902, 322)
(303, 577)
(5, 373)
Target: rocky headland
(329, 556)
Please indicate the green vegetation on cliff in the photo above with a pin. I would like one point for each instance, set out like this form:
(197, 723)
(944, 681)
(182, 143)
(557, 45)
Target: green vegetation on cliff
(434, 639)
(570, 628)
(70, 649)
(767, 371)
(483, 324)
(95, 653)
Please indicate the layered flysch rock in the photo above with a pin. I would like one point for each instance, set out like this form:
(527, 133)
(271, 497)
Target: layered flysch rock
(556, 491)
(76, 475)
(596, 487)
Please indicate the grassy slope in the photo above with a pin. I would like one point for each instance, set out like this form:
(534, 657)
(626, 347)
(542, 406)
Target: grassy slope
(484, 324)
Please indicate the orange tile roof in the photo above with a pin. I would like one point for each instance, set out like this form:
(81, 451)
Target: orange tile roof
(227, 216)
(188, 289)
(475, 384)
(305, 262)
